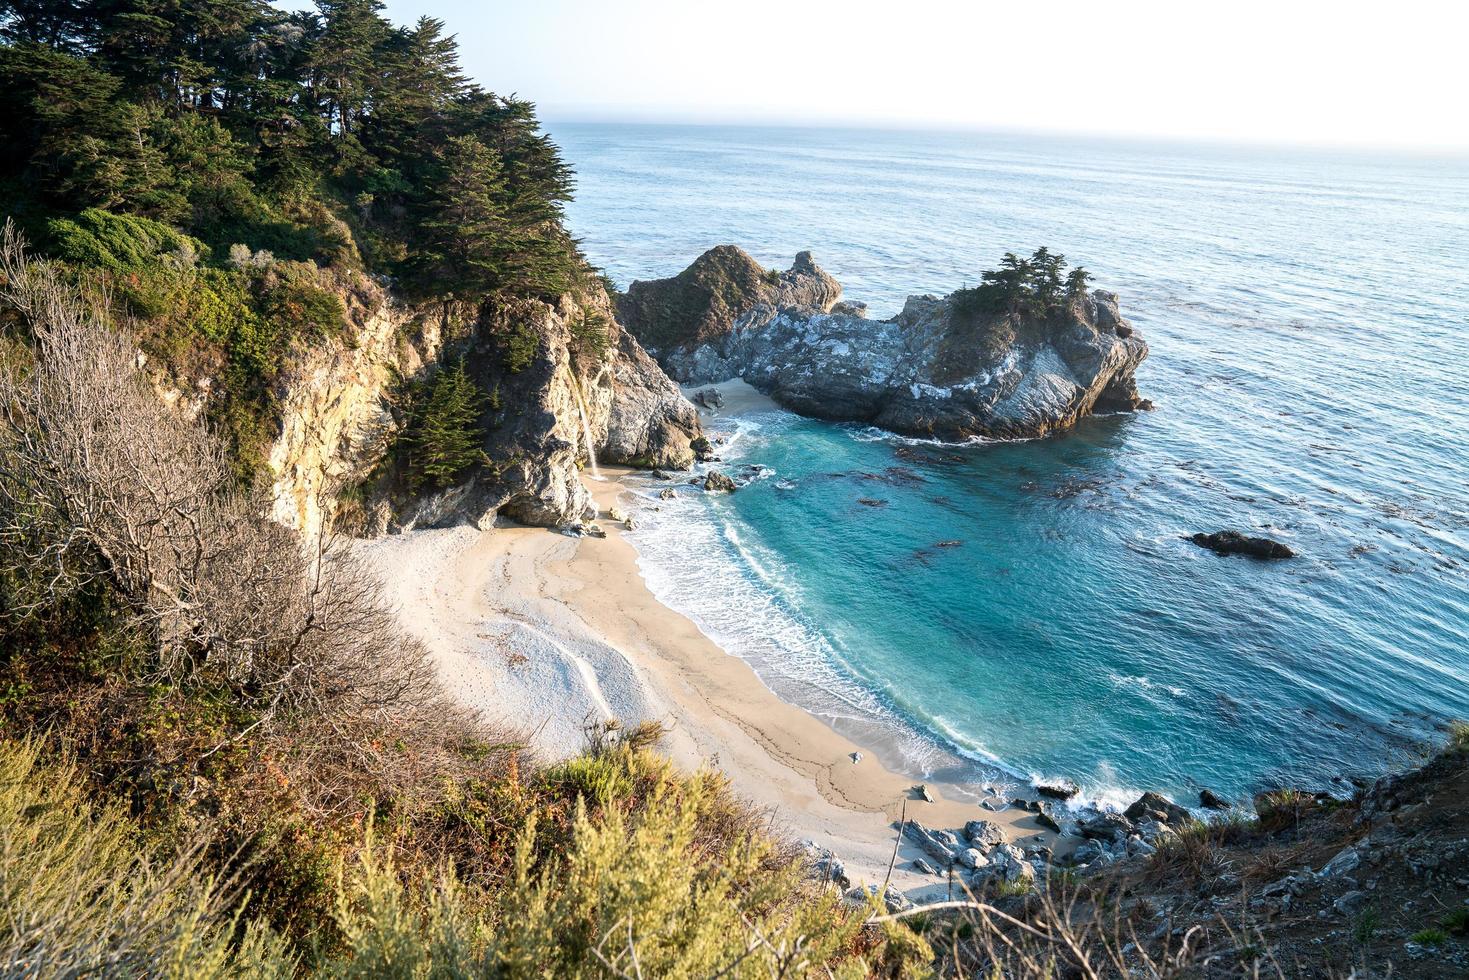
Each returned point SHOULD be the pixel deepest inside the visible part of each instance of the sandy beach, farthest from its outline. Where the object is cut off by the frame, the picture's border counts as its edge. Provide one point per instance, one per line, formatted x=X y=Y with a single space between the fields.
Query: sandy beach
x=545 y=632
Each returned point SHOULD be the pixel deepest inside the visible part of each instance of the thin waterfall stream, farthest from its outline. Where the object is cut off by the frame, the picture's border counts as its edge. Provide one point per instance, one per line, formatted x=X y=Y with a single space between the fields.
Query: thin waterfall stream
x=586 y=426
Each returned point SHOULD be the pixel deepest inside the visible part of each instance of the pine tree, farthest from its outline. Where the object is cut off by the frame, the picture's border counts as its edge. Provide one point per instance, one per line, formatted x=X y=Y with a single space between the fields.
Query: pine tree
x=446 y=438
x=1045 y=275
x=1076 y=281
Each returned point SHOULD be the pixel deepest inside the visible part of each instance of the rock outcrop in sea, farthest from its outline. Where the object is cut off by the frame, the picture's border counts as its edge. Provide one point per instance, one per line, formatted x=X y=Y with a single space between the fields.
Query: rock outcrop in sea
x=940 y=368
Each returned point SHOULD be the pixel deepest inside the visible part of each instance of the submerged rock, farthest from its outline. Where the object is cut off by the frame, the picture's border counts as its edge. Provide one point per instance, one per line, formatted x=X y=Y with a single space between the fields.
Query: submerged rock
x=717 y=482
x=1235 y=543
x=939 y=368
x=1213 y=801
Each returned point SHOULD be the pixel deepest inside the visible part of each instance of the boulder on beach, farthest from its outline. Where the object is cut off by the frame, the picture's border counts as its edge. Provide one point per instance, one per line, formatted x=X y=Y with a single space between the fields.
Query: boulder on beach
x=710 y=398
x=1229 y=542
x=984 y=834
x=940 y=845
x=1046 y=819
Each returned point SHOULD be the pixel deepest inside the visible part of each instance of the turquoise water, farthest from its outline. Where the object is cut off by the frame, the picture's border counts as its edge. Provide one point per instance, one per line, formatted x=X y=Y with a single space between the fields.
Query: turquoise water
x=1309 y=321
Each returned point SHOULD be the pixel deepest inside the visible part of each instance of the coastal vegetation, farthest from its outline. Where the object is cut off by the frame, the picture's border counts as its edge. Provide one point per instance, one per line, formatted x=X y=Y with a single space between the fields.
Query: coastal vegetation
x=1034 y=287
x=226 y=169
x=220 y=754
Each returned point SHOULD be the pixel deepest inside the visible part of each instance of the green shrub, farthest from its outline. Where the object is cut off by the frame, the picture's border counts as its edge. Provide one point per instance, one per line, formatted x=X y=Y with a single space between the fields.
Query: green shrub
x=84 y=899
x=1429 y=937
x=116 y=242
x=521 y=344
x=630 y=896
x=299 y=305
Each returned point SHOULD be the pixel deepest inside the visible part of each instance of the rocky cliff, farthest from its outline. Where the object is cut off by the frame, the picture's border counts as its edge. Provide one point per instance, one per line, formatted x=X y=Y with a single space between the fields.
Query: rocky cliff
x=561 y=381
x=700 y=305
x=565 y=381
x=939 y=368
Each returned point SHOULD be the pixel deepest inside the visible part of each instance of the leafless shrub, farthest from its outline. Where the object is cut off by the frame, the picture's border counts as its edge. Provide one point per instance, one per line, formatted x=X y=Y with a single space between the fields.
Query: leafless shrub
x=1075 y=932
x=101 y=481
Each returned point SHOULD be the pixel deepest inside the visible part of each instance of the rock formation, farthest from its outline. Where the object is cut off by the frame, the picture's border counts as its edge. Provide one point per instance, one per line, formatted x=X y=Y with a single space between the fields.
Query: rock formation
x=1234 y=543
x=701 y=304
x=338 y=412
x=571 y=395
x=939 y=368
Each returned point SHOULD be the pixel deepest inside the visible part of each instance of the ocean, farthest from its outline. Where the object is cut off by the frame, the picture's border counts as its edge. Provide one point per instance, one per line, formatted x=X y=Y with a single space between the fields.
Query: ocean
x=992 y=613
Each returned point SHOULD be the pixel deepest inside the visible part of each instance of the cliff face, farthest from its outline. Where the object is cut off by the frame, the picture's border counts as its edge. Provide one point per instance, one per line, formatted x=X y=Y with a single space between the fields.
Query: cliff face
x=579 y=385
x=336 y=420
x=586 y=387
x=936 y=369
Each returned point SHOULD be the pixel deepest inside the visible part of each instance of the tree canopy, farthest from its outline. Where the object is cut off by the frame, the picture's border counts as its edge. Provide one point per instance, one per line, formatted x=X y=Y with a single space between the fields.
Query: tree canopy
x=236 y=122
x=1033 y=287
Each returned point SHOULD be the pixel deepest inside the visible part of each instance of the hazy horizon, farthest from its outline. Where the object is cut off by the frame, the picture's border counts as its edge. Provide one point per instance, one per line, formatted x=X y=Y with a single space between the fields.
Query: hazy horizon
x=1267 y=74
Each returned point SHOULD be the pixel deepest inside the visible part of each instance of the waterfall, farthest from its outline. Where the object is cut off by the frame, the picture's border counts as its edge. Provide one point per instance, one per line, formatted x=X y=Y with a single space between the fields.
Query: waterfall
x=586 y=425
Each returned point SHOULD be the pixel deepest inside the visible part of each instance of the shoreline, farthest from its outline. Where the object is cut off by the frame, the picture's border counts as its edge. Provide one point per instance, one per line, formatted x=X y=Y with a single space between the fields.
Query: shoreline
x=545 y=632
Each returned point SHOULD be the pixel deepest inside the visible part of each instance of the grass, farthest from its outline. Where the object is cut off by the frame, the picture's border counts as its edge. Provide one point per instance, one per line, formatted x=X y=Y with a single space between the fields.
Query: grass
x=1456 y=922
x=1429 y=937
x=1459 y=737
x=1365 y=927
x=1193 y=853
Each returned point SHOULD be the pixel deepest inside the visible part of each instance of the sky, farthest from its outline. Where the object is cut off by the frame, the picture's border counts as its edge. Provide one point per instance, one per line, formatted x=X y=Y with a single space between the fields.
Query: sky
x=1285 y=71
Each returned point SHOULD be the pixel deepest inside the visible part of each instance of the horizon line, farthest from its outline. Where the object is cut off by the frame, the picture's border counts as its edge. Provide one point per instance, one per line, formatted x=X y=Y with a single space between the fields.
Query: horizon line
x=583 y=115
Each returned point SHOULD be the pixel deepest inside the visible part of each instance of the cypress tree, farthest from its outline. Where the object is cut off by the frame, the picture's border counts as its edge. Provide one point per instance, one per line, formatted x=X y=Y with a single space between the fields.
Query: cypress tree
x=447 y=438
